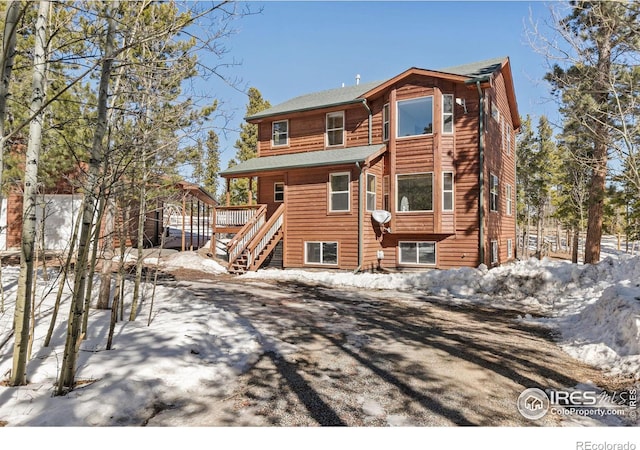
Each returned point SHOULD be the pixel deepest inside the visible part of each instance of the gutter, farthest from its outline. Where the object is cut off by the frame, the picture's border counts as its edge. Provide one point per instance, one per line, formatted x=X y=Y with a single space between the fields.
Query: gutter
x=361 y=184
x=478 y=82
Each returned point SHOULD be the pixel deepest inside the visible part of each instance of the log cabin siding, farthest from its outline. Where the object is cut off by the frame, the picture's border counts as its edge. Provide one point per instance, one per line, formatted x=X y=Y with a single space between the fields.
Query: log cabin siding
x=309 y=220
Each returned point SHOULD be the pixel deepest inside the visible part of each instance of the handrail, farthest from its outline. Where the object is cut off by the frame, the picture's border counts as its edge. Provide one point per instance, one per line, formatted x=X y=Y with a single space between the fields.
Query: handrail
x=266 y=233
x=230 y=216
x=239 y=242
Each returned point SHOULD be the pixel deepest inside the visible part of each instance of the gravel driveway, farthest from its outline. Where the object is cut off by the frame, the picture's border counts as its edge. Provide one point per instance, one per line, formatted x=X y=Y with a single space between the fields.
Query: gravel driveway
x=377 y=358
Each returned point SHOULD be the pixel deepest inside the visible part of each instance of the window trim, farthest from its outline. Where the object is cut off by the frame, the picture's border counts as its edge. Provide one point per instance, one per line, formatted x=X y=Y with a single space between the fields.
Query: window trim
x=448 y=114
x=327 y=130
x=374 y=192
x=417 y=263
x=386 y=122
x=414 y=99
x=494 y=205
x=273 y=144
x=398 y=210
x=448 y=191
x=331 y=192
x=509 y=248
x=321 y=263
x=275 y=192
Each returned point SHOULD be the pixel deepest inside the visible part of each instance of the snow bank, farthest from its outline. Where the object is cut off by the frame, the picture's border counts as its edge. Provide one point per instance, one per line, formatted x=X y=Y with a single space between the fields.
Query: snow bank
x=192 y=260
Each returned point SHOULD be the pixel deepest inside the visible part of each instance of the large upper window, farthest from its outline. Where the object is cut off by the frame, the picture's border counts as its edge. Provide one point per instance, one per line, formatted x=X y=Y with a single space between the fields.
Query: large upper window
x=415 y=192
x=415 y=117
x=321 y=253
x=280 y=132
x=417 y=253
x=339 y=191
x=447 y=113
x=335 y=129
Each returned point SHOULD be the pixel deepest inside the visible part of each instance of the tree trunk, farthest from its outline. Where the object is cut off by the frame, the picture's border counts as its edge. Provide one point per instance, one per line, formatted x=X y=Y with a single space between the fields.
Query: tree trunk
x=107 y=255
x=141 y=221
x=576 y=243
x=67 y=375
x=25 y=281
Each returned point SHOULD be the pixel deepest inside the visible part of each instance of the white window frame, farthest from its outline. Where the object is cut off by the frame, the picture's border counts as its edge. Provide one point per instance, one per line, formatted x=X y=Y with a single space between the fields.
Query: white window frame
x=495 y=253
x=408 y=100
x=508 y=139
x=321 y=263
x=386 y=195
x=398 y=200
x=509 y=248
x=348 y=192
x=273 y=133
x=386 y=122
x=444 y=114
x=276 y=191
x=417 y=262
x=371 y=194
x=508 y=199
x=493 y=192
x=448 y=191
x=341 y=129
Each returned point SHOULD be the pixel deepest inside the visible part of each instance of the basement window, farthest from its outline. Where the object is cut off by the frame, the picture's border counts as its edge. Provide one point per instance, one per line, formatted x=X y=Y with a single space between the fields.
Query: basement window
x=418 y=253
x=324 y=253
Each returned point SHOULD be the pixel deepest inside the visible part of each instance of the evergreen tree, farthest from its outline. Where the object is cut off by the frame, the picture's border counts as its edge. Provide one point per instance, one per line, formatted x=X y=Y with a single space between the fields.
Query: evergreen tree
x=247 y=146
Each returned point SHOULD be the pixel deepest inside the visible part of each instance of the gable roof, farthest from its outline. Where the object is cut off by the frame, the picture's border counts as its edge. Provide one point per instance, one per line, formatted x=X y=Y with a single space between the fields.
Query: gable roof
x=357 y=93
x=319 y=158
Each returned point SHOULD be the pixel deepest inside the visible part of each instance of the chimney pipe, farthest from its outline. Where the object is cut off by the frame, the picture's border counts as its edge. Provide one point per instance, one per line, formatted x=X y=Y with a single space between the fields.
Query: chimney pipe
x=357 y=79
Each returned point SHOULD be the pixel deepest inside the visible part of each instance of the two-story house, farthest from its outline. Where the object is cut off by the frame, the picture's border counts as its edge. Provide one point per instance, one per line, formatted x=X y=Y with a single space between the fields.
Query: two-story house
x=417 y=171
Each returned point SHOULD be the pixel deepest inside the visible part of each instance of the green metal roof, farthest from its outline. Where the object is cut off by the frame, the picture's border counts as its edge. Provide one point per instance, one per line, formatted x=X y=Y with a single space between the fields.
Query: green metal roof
x=354 y=94
x=305 y=159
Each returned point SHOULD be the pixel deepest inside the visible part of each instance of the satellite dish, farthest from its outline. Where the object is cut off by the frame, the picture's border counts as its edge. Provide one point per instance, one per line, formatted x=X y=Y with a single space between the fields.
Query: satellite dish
x=381 y=216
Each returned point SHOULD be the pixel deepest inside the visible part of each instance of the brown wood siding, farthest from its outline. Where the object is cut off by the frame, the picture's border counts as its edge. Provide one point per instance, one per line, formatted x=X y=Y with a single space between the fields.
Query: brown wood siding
x=372 y=235
x=308 y=218
x=499 y=225
x=266 y=192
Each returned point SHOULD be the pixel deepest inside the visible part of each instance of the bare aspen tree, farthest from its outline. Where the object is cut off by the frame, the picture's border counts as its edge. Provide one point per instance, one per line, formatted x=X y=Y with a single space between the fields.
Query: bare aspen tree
x=25 y=280
x=67 y=375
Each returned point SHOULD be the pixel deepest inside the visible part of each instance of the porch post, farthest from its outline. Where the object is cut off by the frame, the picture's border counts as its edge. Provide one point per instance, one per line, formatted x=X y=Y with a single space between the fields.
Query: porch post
x=184 y=207
x=250 y=193
x=228 y=191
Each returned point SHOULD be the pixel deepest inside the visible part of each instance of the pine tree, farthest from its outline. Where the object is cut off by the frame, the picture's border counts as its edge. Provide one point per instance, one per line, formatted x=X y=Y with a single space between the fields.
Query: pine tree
x=247 y=146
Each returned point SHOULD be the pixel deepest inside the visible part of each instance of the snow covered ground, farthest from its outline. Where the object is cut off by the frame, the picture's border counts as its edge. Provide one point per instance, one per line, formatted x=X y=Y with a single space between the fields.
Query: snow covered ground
x=596 y=310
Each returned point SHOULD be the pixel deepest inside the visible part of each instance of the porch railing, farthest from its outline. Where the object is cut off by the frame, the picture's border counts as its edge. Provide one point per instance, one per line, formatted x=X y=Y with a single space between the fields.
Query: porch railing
x=234 y=216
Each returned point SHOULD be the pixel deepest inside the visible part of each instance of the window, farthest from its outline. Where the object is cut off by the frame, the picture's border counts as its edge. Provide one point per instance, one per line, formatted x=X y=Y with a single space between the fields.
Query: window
x=415 y=117
x=494 y=252
x=417 y=253
x=493 y=202
x=371 y=192
x=415 y=192
x=335 y=129
x=339 y=191
x=447 y=113
x=509 y=139
x=386 y=205
x=447 y=191
x=509 y=248
x=385 y=122
x=278 y=192
x=509 y=200
x=504 y=135
x=494 y=112
x=280 y=133
x=321 y=253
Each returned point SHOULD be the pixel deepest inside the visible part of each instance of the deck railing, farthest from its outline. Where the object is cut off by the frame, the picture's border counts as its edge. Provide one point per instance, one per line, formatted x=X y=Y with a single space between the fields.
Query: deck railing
x=234 y=216
x=264 y=237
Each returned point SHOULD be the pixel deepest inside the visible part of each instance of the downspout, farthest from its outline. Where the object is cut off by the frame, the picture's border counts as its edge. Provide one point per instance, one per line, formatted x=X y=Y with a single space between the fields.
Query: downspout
x=360 y=194
x=481 y=170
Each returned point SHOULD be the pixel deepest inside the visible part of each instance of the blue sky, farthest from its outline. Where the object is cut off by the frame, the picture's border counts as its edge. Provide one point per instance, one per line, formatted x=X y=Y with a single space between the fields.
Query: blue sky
x=293 y=48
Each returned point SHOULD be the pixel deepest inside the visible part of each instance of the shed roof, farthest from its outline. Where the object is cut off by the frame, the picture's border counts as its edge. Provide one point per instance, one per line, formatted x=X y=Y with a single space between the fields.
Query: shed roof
x=306 y=159
x=355 y=94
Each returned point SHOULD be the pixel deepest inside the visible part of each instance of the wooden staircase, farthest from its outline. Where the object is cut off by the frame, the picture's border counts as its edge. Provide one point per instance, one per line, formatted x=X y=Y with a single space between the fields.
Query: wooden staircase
x=251 y=246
